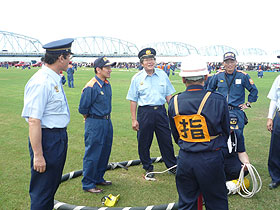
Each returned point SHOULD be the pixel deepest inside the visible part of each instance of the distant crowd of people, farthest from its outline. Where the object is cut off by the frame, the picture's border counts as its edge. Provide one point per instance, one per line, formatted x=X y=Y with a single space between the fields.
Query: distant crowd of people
x=167 y=67
x=266 y=66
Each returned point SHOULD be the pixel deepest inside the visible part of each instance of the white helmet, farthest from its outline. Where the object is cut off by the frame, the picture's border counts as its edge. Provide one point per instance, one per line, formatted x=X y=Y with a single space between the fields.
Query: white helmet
x=193 y=66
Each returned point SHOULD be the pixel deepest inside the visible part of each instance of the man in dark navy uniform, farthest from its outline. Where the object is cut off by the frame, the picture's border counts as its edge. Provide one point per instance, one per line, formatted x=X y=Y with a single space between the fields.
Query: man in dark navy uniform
x=199 y=123
x=150 y=89
x=95 y=106
x=47 y=112
x=231 y=83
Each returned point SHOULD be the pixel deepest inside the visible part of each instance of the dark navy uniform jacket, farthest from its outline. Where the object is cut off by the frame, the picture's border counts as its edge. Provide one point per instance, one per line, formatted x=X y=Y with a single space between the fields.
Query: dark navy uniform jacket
x=215 y=112
x=237 y=89
x=96 y=98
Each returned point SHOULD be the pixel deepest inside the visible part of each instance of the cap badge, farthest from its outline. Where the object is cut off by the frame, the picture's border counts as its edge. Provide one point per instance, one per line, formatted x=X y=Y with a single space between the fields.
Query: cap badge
x=148 y=52
x=104 y=59
x=229 y=54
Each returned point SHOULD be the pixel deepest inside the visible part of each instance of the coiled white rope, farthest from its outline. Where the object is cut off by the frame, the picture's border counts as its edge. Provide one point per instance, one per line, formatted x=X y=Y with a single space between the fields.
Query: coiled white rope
x=240 y=186
x=256 y=187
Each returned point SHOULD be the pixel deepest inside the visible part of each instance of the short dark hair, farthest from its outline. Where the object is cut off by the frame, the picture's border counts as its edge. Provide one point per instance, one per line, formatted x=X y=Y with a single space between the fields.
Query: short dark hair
x=51 y=58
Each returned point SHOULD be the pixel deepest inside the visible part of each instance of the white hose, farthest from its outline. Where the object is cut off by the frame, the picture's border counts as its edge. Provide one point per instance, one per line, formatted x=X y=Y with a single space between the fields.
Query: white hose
x=256 y=187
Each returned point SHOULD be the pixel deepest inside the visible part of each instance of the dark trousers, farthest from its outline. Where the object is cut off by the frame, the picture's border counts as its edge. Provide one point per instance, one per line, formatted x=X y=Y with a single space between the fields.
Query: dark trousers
x=70 y=81
x=201 y=172
x=232 y=165
x=239 y=132
x=274 y=151
x=43 y=186
x=153 y=119
x=98 y=144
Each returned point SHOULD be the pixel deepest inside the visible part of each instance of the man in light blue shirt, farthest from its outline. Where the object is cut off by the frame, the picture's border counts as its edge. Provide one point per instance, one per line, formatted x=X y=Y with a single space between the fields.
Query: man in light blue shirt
x=151 y=89
x=47 y=113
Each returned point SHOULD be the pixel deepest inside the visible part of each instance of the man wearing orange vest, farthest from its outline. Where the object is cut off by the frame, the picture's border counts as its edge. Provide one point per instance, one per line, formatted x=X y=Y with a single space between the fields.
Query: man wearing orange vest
x=199 y=123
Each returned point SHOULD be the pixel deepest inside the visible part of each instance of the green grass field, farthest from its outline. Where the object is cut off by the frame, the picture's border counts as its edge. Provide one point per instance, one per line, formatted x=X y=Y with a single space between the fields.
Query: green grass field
x=133 y=189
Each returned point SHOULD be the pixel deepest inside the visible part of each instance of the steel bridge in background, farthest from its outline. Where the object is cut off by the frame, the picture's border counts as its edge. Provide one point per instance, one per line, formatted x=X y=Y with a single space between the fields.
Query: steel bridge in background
x=95 y=46
x=17 y=45
x=167 y=49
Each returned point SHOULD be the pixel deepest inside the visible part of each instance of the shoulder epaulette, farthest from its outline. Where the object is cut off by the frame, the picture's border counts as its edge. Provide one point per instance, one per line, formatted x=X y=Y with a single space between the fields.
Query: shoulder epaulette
x=242 y=72
x=91 y=83
x=220 y=71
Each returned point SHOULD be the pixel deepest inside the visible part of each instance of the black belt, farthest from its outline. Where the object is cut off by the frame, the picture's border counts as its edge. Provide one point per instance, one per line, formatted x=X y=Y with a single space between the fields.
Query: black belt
x=233 y=107
x=152 y=107
x=105 y=117
x=54 y=129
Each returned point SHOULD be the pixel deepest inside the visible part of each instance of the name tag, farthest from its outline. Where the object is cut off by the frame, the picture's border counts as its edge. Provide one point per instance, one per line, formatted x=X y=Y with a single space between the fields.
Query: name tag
x=192 y=128
x=238 y=81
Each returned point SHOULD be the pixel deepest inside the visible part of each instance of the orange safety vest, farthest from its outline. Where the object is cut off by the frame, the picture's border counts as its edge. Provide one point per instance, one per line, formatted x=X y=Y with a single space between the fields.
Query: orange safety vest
x=192 y=128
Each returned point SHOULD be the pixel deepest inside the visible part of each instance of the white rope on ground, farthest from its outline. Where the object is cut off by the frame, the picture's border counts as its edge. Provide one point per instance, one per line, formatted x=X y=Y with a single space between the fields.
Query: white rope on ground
x=161 y=172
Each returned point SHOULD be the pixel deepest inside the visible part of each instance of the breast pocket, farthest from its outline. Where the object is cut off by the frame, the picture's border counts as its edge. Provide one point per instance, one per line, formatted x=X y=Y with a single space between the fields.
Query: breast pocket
x=162 y=88
x=222 y=86
x=143 y=90
x=56 y=103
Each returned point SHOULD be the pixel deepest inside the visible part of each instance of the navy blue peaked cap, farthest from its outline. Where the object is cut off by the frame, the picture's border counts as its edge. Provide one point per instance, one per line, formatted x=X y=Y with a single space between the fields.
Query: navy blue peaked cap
x=147 y=52
x=229 y=55
x=59 y=46
x=103 y=61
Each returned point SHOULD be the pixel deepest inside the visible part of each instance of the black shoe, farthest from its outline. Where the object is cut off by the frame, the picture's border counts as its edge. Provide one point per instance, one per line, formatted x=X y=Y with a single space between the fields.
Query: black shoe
x=273 y=185
x=150 y=176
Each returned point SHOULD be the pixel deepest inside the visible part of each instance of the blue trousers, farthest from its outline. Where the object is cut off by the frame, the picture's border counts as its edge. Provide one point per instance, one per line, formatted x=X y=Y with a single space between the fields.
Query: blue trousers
x=43 y=186
x=70 y=81
x=239 y=132
x=201 y=172
x=154 y=120
x=274 y=151
x=98 y=144
x=232 y=165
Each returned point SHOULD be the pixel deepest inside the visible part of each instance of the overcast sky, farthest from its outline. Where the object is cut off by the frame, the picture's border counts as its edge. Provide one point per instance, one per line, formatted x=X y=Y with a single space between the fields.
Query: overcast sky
x=236 y=23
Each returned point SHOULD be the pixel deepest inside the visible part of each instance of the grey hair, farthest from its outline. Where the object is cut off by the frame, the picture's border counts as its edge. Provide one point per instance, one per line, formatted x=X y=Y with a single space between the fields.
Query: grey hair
x=196 y=78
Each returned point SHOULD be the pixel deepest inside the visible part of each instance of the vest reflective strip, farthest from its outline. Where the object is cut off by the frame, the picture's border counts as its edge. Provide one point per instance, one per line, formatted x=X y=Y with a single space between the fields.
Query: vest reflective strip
x=200 y=106
x=203 y=102
x=176 y=105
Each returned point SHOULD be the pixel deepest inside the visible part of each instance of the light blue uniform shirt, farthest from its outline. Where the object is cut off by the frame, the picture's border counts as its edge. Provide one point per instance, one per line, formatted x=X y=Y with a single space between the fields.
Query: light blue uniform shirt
x=44 y=99
x=150 y=90
x=274 y=93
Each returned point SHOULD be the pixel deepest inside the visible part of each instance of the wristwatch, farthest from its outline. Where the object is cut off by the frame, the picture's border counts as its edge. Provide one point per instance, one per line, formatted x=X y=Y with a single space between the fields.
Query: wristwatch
x=248 y=105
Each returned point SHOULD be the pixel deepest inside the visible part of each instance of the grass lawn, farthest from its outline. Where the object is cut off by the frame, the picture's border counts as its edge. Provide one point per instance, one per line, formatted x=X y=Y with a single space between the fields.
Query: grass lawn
x=133 y=189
